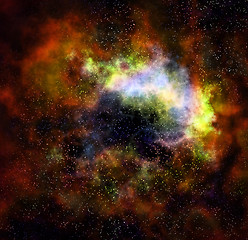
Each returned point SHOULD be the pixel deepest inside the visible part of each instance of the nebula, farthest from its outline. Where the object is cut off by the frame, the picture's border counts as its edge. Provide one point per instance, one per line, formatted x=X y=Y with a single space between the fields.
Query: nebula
x=123 y=120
